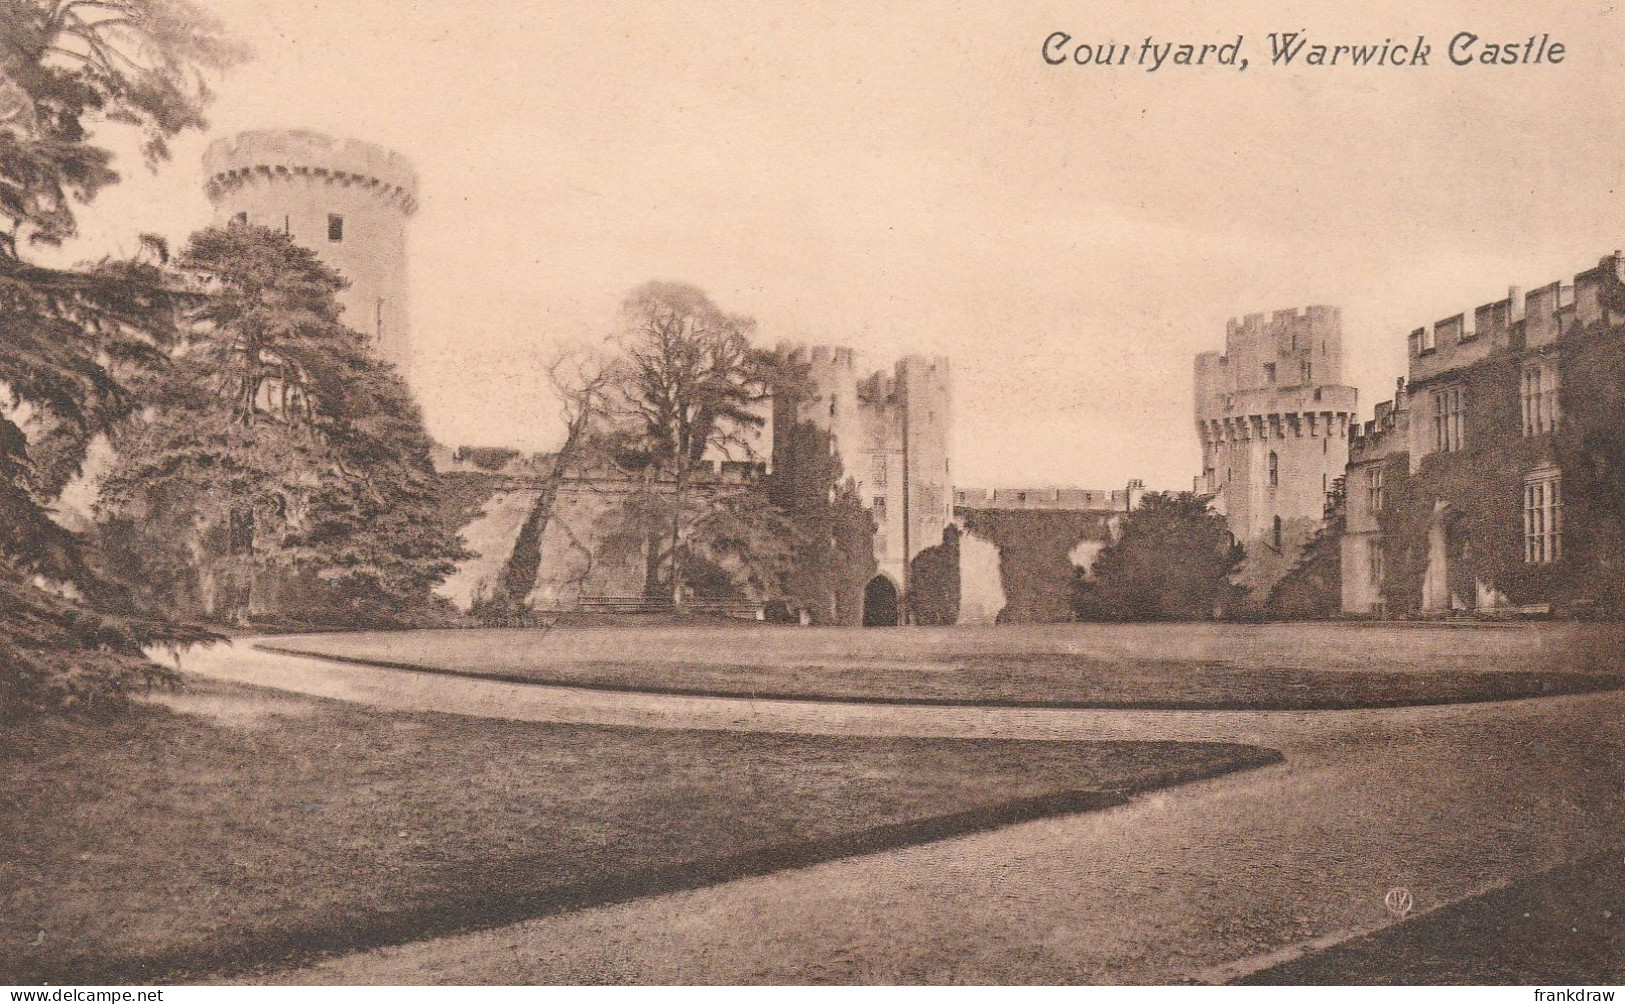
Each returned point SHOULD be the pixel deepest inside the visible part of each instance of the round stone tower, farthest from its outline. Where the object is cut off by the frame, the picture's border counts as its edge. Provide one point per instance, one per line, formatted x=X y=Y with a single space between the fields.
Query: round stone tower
x=344 y=199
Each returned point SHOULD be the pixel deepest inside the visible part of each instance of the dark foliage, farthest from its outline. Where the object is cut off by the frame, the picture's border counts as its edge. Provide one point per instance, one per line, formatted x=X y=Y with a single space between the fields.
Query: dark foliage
x=282 y=468
x=74 y=345
x=834 y=543
x=487 y=458
x=689 y=384
x=934 y=582
x=1172 y=561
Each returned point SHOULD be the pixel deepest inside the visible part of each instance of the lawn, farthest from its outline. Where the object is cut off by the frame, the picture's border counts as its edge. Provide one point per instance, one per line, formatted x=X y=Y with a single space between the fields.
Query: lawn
x=1563 y=927
x=1178 y=666
x=232 y=828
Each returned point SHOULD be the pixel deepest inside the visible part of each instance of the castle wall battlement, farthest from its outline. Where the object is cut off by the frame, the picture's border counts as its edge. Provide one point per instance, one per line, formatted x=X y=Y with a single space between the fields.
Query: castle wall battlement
x=1542 y=317
x=233 y=159
x=1065 y=499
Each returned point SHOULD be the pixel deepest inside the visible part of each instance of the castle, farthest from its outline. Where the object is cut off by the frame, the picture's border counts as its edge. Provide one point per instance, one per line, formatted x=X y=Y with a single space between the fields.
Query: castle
x=349 y=202
x=346 y=200
x=1272 y=416
x=1490 y=481
x=892 y=431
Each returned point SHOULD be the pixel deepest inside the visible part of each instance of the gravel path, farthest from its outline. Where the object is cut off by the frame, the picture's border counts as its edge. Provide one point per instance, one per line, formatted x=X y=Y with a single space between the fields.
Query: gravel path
x=1206 y=882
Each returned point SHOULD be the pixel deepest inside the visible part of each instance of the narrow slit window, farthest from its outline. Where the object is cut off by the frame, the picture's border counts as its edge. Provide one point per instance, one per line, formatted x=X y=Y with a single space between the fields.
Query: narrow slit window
x=335 y=227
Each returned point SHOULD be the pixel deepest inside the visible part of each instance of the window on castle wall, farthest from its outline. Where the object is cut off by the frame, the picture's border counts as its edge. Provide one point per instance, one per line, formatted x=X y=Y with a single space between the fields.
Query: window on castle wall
x=1374 y=489
x=1275 y=469
x=335 y=227
x=1308 y=372
x=1543 y=519
x=879 y=508
x=1376 y=561
x=878 y=470
x=1269 y=372
x=1277 y=533
x=1538 y=393
x=1449 y=419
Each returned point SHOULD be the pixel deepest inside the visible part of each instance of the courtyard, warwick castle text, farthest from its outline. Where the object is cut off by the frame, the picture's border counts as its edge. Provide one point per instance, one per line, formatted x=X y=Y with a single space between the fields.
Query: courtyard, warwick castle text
x=1293 y=49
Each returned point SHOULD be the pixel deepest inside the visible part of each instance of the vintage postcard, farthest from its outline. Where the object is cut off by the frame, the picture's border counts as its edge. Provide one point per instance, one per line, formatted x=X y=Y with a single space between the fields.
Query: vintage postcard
x=811 y=493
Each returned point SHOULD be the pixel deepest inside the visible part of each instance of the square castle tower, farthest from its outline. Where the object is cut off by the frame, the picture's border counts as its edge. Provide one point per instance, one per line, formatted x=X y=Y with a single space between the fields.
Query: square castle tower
x=1273 y=415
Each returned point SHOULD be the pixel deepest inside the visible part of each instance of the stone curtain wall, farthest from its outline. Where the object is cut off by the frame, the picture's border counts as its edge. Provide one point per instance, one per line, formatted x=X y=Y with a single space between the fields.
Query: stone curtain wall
x=1036 y=571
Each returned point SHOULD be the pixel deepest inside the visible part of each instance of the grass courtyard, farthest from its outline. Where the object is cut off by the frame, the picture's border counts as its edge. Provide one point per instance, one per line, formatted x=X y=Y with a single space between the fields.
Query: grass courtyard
x=227 y=828
x=1159 y=666
x=232 y=827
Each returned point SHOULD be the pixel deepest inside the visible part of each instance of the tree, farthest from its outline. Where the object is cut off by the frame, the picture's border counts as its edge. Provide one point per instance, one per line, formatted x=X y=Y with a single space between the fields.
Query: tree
x=580 y=381
x=277 y=448
x=1313 y=589
x=65 y=64
x=690 y=385
x=934 y=582
x=1171 y=560
x=70 y=634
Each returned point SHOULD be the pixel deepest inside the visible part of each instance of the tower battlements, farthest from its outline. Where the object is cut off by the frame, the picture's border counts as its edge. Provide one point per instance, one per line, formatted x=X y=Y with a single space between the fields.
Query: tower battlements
x=1287 y=348
x=344 y=199
x=891 y=429
x=821 y=355
x=264 y=152
x=1272 y=416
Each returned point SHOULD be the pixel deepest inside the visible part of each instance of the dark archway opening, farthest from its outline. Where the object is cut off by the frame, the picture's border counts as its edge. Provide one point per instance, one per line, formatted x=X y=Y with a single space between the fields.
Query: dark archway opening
x=880 y=607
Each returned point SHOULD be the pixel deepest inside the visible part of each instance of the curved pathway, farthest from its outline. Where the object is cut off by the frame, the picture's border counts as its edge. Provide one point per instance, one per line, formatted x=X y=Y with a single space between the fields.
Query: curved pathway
x=1203 y=882
x=405 y=690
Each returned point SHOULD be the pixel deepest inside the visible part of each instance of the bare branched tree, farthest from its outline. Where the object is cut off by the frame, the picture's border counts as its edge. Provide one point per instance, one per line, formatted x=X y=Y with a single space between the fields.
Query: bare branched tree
x=581 y=380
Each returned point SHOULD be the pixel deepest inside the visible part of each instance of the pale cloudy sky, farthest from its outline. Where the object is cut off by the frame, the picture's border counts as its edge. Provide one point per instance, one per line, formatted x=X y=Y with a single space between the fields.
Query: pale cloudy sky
x=911 y=177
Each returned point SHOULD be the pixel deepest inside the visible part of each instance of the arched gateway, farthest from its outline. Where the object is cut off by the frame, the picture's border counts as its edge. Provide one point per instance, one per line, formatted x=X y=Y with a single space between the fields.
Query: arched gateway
x=880 y=607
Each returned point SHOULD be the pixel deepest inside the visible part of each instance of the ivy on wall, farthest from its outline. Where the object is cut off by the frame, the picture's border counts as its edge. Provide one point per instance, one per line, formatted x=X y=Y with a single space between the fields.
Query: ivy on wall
x=1475 y=496
x=1035 y=563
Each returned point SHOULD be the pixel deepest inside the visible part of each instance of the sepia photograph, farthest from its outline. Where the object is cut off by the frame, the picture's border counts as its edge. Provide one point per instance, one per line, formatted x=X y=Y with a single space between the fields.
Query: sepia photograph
x=784 y=494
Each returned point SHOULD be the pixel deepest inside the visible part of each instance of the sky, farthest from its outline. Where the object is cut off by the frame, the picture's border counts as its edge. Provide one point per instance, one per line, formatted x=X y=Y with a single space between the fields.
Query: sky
x=914 y=178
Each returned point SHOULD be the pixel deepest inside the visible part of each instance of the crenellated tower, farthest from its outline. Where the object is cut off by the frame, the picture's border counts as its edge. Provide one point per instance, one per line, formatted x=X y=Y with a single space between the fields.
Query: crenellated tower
x=1272 y=415
x=346 y=200
x=892 y=430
